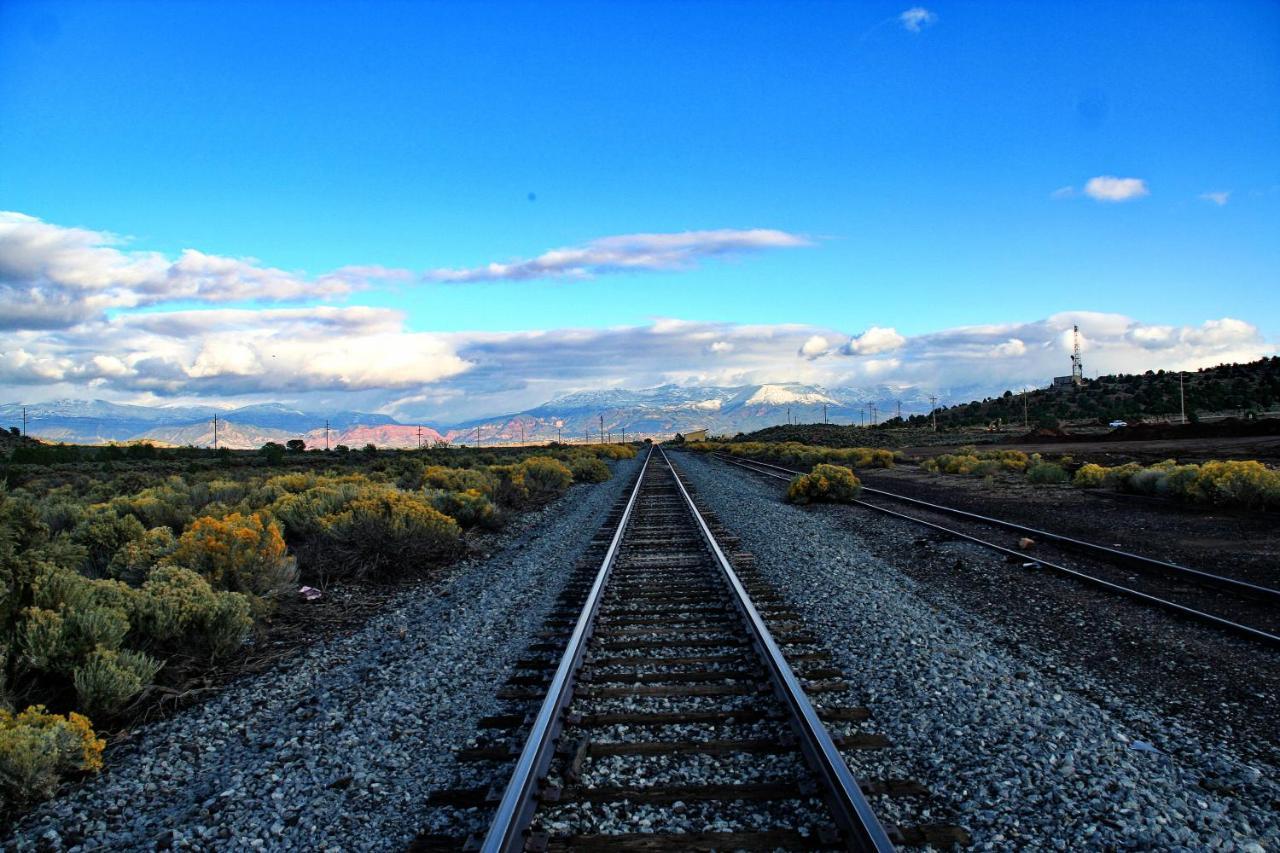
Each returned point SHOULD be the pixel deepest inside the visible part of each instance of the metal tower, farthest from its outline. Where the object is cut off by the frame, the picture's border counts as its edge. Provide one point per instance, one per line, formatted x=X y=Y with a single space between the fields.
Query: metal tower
x=1077 y=369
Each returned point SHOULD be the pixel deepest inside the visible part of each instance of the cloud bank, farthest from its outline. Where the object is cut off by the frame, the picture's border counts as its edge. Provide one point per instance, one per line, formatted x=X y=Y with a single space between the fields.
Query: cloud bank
x=71 y=328
x=353 y=357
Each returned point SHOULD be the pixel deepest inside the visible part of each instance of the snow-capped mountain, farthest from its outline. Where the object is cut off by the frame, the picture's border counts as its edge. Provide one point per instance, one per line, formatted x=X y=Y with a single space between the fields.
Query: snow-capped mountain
x=648 y=412
x=668 y=409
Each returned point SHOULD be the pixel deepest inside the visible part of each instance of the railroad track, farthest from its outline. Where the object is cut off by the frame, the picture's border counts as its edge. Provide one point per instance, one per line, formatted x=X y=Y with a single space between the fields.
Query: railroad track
x=667 y=707
x=1186 y=592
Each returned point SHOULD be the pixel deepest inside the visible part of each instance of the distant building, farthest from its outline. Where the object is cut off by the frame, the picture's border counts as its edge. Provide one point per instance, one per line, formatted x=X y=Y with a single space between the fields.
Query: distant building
x=696 y=435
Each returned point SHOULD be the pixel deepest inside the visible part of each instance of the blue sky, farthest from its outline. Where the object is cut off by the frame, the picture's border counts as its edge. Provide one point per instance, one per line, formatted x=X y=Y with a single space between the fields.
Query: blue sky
x=934 y=163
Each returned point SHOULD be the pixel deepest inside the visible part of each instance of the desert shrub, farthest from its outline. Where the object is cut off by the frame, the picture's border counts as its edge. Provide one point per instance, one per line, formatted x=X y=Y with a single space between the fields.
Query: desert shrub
x=238 y=553
x=589 y=469
x=38 y=749
x=137 y=557
x=179 y=612
x=459 y=479
x=300 y=513
x=828 y=483
x=61 y=516
x=509 y=487
x=615 y=451
x=1043 y=473
x=1090 y=476
x=385 y=534
x=545 y=478
x=1239 y=483
x=161 y=506
x=108 y=679
x=1117 y=477
x=469 y=508
x=226 y=492
x=101 y=533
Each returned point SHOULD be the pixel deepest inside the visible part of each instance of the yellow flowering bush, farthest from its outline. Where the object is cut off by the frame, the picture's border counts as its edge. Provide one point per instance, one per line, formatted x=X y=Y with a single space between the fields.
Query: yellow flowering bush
x=825 y=483
x=39 y=749
x=238 y=553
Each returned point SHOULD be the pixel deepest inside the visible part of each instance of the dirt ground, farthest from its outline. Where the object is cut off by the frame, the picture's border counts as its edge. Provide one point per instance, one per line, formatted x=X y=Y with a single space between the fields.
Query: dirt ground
x=1234 y=543
x=1265 y=448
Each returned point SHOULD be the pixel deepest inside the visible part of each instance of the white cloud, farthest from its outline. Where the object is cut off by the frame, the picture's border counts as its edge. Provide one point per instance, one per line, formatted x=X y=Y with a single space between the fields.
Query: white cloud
x=1011 y=348
x=917 y=18
x=873 y=341
x=627 y=253
x=1220 y=197
x=1063 y=192
x=52 y=276
x=814 y=347
x=1111 y=189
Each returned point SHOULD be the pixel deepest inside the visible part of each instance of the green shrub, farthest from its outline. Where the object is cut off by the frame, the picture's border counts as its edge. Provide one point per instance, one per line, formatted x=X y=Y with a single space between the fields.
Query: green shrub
x=589 y=469
x=828 y=483
x=109 y=679
x=459 y=479
x=510 y=488
x=101 y=533
x=469 y=508
x=384 y=535
x=179 y=613
x=545 y=478
x=38 y=749
x=61 y=516
x=1043 y=473
x=136 y=558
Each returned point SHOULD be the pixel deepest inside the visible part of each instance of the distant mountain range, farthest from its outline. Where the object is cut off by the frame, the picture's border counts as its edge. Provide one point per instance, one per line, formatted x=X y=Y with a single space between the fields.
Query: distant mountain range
x=653 y=412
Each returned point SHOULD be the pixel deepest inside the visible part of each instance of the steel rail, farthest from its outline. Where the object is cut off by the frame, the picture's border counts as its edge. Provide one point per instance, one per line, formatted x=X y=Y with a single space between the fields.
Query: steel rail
x=1164 y=603
x=1113 y=554
x=862 y=829
x=519 y=800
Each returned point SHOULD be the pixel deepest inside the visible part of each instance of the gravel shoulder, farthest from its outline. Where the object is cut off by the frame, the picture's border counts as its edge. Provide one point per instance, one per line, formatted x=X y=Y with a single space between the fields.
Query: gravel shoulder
x=1025 y=709
x=338 y=748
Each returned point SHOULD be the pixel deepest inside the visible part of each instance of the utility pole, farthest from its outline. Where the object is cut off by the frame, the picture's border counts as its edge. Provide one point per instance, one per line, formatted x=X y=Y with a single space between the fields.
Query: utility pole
x=1026 y=423
x=215 y=430
x=862 y=415
x=1182 y=396
x=899 y=409
x=824 y=414
x=586 y=436
x=522 y=433
x=933 y=410
x=326 y=435
x=624 y=435
x=788 y=416
x=24 y=421
x=477 y=435
x=419 y=438
x=602 y=429
x=559 y=439
x=872 y=408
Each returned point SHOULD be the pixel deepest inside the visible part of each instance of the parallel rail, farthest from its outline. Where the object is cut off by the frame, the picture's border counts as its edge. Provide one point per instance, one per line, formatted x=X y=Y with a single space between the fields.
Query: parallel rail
x=519 y=800
x=853 y=815
x=1100 y=551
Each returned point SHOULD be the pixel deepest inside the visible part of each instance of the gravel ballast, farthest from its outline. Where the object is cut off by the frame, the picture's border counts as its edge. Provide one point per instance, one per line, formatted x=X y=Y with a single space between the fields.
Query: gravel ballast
x=339 y=747
x=1019 y=745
